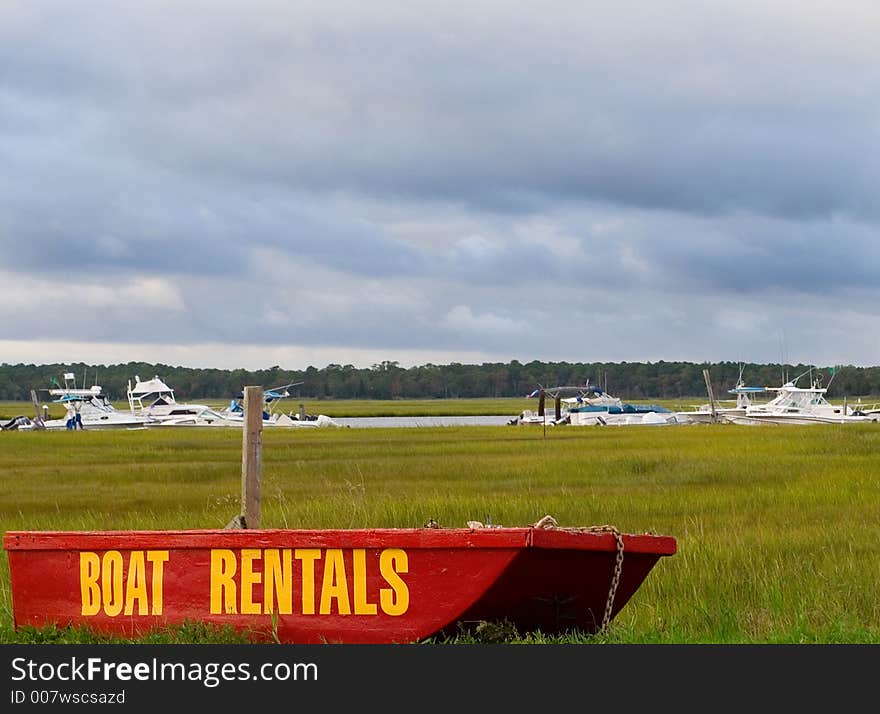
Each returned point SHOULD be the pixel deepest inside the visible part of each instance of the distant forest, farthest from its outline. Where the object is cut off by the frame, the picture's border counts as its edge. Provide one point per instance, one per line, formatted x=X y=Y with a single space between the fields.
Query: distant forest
x=388 y=380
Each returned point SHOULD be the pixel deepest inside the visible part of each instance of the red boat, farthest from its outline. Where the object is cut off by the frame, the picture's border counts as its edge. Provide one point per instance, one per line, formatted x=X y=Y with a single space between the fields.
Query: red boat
x=316 y=586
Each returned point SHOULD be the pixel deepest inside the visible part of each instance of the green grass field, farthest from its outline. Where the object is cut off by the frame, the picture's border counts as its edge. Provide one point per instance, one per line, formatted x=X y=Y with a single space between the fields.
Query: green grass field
x=778 y=528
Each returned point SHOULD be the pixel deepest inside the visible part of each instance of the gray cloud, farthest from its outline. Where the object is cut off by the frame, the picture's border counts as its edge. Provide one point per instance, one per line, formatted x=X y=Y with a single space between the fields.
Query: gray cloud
x=441 y=176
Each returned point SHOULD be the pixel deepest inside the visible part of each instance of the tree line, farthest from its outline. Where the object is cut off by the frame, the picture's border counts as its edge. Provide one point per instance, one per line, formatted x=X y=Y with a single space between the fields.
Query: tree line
x=388 y=380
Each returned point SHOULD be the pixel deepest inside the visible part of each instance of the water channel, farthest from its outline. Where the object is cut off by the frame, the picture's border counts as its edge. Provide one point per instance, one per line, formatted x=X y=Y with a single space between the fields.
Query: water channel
x=414 y=421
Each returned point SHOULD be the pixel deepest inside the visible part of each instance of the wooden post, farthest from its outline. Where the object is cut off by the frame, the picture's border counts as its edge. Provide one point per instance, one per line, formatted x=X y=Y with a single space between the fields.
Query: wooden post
x=252 y=457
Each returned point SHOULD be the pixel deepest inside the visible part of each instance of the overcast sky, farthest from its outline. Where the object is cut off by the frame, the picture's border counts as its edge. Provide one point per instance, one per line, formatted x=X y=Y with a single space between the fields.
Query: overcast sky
x=223 y=183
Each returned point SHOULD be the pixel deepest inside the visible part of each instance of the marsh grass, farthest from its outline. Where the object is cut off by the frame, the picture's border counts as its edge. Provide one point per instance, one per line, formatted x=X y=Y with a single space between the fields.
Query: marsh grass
x=778 y=528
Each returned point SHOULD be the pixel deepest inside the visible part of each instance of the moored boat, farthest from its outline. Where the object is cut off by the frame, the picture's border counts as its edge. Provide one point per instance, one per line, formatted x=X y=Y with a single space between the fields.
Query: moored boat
x=597 y=407
x=711 y=413
x=85 y=408
x=272 y=397
x=590 y=405
x=622 y=415
x=799 y=405
x=155 y=400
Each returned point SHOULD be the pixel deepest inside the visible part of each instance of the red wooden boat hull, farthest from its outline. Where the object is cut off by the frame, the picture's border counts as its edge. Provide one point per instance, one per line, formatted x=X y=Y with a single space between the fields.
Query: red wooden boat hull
x=314 y=586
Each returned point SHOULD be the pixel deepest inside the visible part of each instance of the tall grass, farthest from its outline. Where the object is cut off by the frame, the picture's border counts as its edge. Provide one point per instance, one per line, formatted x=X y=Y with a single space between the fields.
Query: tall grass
x=778 y=528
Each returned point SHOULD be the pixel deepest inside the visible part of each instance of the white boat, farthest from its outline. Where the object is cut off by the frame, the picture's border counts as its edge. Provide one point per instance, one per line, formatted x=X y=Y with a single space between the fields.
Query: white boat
x=597 y=407
x=592 y=406
x=709 y=413
x=86 y=408
x=206 y=417
x=799 y=405
x=272 y=397
x=540 y=417
x=871 y=410
x=155 y=399
x=529 y=417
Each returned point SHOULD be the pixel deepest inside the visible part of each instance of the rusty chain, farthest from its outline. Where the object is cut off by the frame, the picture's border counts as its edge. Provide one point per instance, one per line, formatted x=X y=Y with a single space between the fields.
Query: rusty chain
x=550 y=522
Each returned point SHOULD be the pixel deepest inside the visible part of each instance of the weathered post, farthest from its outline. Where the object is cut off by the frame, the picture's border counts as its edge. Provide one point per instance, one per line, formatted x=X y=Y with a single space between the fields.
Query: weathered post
x=252 y=457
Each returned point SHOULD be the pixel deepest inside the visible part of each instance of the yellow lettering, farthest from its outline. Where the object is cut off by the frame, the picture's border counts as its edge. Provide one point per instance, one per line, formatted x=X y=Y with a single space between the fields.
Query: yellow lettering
x=111 y=582
x=223 y=593
x=249 y=578
x=361 y=606
x=278 y=587
x=157 y=559
x=394 y=600
x=136 y=584
x=334 y=584
x=89 y=570
x=308 y=556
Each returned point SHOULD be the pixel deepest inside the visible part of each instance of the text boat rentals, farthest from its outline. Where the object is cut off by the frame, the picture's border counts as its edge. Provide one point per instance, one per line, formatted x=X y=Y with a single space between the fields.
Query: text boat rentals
x=330 y=586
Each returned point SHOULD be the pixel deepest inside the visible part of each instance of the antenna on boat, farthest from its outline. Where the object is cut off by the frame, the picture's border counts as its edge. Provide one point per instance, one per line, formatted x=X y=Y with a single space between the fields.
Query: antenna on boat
x=833 y=371
x=809 y=371
x=783 y=353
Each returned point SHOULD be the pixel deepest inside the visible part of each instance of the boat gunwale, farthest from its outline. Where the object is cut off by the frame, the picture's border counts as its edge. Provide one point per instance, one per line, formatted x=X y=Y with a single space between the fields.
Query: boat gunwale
x=413 y=538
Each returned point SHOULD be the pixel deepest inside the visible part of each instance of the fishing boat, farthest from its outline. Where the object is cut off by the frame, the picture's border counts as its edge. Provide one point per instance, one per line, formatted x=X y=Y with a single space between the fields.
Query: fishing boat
x=799 y=405
x=331 y=586
x=85 y=408
x=155 y=400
